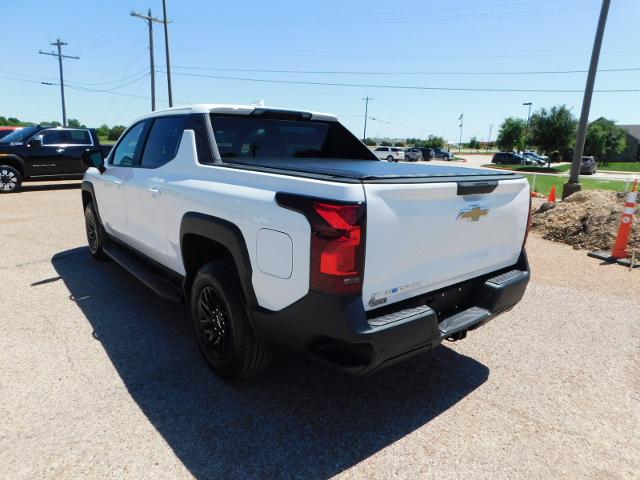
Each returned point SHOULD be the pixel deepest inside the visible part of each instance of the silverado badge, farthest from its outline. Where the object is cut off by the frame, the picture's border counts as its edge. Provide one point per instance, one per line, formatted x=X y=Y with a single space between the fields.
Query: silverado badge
x=473 y=213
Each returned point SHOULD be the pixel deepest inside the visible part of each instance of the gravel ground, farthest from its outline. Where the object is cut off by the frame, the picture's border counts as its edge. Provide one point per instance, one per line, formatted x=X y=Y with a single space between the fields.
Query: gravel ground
x=100 y=379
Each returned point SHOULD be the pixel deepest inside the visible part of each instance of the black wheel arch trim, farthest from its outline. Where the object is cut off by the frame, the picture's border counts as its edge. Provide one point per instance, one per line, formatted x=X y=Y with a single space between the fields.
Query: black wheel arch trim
x=230 y=237
x=17 y=159
x=88 y=187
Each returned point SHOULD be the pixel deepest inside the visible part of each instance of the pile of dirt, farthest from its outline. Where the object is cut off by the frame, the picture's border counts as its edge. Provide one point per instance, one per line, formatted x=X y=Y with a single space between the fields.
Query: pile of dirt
x=587 y=220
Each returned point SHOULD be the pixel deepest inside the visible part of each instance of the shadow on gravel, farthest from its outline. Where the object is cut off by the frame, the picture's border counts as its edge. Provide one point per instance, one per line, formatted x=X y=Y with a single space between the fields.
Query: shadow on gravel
x=296 y=420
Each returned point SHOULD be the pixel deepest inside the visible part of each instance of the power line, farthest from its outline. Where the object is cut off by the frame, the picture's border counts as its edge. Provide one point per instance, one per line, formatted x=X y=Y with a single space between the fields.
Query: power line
x=353 y=72
x=82 y=84
x=401 y=87
x=60 y=56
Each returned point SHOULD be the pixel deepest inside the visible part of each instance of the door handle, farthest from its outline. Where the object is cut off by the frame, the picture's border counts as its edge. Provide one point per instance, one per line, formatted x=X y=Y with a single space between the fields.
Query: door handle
x=154 y=191
x=117 y=181
x=60 y=150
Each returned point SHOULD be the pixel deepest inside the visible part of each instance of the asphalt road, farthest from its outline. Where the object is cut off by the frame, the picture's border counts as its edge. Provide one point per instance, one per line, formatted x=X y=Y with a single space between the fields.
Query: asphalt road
x=101 y=379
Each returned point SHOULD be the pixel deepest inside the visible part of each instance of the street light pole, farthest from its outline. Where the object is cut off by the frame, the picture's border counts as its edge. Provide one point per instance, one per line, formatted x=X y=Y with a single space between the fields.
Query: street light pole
x=526 y=130
x=573 y=185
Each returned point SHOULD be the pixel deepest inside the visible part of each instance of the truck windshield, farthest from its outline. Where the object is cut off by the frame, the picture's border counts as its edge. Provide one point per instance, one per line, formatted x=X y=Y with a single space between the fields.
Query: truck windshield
x=245 y=139
x=19 y=135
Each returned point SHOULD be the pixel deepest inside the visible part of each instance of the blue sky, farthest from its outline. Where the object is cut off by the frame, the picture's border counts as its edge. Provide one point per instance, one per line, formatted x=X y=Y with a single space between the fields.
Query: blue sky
x=464 y=39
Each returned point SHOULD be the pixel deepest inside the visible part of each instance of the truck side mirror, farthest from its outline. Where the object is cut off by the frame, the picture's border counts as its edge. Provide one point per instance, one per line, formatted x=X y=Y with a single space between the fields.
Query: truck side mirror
x=94 y=158
x=36 y=142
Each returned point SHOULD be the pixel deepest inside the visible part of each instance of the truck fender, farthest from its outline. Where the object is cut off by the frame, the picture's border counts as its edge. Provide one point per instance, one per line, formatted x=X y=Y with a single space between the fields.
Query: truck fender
x=89 y=195
x=229 y=237
x=14 y=161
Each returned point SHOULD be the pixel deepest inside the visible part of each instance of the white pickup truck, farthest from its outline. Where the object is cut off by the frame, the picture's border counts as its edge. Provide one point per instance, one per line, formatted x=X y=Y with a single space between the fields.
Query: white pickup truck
x=280 y=230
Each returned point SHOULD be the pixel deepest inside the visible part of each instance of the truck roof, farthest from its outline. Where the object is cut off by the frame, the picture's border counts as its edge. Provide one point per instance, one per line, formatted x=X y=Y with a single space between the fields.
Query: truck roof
x=231 y=108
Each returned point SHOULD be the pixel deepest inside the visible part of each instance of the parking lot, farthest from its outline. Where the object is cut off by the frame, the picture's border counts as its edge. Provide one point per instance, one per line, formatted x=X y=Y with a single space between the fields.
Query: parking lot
x=99 y=378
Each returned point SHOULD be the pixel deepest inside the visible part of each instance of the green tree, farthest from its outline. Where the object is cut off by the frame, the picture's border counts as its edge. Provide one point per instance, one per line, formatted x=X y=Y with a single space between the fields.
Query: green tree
x=512 y=134
x=473 y=144
x=386 y=143
x=552 y=130
x=115 y=132
x=398 y=144
x=604 y=139
x=103 y=131
x=75 y=123
x=433 y=141
x=370 y=142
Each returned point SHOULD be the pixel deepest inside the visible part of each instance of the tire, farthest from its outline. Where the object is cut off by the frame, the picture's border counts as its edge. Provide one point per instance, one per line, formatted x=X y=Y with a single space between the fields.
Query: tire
x=95 y=233
x=389 y=158
x=10 y=179
x=221 y=326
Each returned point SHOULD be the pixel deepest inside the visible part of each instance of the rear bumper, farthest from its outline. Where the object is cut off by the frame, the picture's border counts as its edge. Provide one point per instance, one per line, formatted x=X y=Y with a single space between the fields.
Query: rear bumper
x=338 y=332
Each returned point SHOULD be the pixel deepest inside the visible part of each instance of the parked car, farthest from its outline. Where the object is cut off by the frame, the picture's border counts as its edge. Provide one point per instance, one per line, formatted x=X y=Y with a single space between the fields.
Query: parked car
x=507 y=158
x=390 y=154
x=262 y=221
x=588 y=166
x=427 y=153
x=40 y=153
x=412 y=154
x=6 y=130
x=443 y=154
x=532 y=158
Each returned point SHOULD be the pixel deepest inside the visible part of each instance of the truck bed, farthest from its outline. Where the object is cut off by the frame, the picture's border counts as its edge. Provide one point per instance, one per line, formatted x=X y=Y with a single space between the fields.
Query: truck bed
x=373 y=171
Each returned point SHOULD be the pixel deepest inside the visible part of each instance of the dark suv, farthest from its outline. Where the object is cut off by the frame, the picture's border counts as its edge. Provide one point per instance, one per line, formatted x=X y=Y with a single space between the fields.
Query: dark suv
x=588 y=166
x=427 y=153
x=506 y=158
x=42 y=153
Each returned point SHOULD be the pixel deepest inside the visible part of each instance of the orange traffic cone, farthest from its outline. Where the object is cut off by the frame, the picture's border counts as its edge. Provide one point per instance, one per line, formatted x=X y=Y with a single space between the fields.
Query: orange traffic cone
x=626 y=222
x=552 y=194
x=620 y=253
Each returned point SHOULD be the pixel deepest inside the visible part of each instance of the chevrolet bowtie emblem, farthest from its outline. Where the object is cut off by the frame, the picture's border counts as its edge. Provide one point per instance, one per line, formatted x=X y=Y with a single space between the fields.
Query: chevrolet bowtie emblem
x=473 y=213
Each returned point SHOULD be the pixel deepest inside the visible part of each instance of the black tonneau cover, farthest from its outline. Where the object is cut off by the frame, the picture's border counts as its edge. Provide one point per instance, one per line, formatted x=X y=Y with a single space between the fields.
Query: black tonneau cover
x=372 y=170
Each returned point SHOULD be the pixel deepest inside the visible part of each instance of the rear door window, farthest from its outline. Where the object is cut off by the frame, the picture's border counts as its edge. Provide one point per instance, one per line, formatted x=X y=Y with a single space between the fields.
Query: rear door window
x=163 y=140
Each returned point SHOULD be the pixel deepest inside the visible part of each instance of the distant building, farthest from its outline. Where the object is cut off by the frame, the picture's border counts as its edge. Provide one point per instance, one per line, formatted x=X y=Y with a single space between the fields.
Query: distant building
x=632 y=152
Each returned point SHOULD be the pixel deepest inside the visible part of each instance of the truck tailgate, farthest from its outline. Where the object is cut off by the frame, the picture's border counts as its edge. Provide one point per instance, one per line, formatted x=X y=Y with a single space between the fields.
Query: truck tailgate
x=424 y=236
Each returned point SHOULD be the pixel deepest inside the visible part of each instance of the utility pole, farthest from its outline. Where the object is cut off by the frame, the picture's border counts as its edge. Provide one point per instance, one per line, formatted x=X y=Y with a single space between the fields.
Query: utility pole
x=573 y=185
x=461 y=118
x=366 y=114
x=526 y=130
x=489 y=141
x=166 y=48
x=60 y=56
x=149 y=19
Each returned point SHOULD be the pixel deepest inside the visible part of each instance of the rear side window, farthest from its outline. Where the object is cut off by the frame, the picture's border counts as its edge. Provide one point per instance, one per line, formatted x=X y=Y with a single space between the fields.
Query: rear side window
x=246 y=139
x=79 y=137
x=125 y=152
x=163 y=140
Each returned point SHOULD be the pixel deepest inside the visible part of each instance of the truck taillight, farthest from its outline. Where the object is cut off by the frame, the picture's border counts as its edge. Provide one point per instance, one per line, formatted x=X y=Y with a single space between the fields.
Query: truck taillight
x=337 y=242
